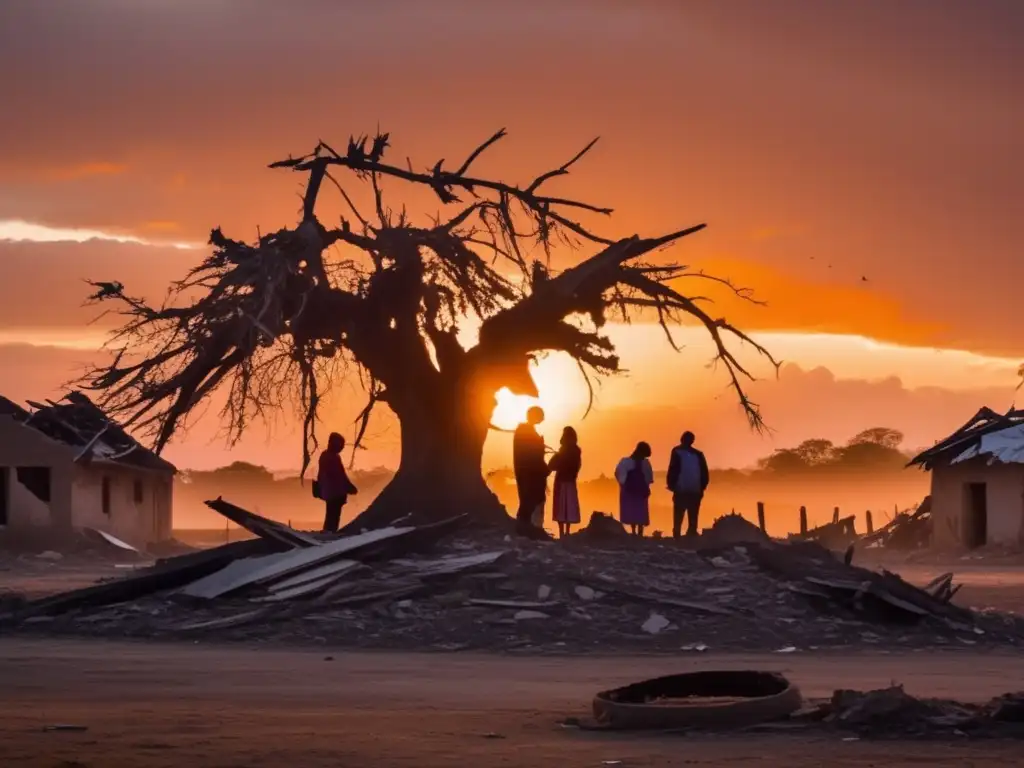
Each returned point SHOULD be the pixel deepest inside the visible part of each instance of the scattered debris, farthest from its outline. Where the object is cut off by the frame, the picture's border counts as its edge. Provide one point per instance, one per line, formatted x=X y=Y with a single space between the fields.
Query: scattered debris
x=655 y=623
x=584 y=592
x=892 y=712
x=434 y=586
x=906 y=531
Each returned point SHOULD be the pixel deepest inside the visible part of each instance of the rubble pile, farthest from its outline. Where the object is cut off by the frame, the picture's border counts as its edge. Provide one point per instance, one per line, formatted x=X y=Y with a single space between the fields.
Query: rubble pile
x=442 y=587
x=892 y=712
x=908 y=530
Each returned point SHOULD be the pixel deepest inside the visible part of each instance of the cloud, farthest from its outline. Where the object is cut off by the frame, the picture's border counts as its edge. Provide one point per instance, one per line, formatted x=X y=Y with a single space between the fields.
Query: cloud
x=44 y=282
x=17 y=231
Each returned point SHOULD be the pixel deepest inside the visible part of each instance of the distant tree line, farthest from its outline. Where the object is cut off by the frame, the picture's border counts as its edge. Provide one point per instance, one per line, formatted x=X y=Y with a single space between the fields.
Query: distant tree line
x=874 y=450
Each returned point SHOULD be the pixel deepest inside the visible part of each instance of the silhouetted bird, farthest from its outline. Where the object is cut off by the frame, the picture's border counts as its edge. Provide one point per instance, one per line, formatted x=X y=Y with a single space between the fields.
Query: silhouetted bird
x=105 y=290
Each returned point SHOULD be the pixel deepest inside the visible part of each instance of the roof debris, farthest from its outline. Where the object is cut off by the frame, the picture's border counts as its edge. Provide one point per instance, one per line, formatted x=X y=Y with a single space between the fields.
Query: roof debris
x=79 y=423
x=1000 y=437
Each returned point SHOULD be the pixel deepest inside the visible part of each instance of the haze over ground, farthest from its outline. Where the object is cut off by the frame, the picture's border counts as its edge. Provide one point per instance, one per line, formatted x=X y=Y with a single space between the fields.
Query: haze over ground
x=822 y=143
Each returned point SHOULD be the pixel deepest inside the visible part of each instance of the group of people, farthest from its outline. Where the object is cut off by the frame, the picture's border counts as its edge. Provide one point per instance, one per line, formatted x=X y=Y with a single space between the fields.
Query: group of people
x=687 y=479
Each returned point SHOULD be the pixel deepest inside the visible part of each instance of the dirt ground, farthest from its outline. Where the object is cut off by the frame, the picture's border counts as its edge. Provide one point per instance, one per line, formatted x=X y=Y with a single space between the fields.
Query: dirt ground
x=195 y=706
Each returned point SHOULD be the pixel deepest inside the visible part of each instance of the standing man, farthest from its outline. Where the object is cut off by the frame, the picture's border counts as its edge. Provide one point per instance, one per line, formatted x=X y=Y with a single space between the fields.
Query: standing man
x=531 y=471
x=688 y=478
x=332 y=483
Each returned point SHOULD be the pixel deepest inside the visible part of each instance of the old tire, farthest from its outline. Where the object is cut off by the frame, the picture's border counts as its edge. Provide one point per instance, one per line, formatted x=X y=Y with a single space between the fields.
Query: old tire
x=707 y=700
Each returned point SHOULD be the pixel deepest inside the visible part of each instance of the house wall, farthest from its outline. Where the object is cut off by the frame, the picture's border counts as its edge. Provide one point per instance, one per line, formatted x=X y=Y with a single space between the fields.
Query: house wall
x=1004 y=492
x=136 y=522
x=22 y=446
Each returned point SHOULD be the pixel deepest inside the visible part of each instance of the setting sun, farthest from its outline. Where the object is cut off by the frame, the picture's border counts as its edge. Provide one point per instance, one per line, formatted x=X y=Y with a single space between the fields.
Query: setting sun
x=563 y=396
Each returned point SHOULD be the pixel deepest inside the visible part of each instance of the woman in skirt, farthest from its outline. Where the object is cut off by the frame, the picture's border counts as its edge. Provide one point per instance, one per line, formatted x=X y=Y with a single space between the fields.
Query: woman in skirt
x=566 y=466
x=635 y=476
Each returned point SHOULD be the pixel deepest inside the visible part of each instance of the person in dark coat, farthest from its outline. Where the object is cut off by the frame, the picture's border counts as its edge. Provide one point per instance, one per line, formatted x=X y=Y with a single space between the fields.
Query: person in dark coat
x=333 y=485
x=531 y=471
x=566 y=464
x=688 y=478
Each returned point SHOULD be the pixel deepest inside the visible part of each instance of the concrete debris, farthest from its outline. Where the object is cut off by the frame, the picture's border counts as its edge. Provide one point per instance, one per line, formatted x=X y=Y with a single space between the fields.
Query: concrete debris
x=584 y=592
x=654 y=624
x=439 y=587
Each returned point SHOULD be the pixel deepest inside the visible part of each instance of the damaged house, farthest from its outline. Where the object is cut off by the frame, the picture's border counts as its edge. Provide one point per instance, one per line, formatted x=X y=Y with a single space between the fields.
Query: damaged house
x=977 y=486
x=66 y=466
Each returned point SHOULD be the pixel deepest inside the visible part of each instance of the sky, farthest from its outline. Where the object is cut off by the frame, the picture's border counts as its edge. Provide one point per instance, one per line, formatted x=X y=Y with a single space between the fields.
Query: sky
x=860 y=166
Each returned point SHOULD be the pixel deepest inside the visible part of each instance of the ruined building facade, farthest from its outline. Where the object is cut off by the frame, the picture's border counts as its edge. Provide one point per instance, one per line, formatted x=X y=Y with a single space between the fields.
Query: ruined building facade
x=977 y=483
x=66 y=466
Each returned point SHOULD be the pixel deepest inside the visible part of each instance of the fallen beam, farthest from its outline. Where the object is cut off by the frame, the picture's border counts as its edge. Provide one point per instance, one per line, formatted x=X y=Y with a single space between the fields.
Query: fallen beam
x=260 y=526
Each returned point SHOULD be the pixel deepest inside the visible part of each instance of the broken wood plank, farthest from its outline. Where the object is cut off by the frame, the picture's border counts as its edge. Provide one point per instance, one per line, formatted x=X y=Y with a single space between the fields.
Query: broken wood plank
x=524 y=604
x=260 y=526
x=338 y=567
x=222 y=622
x=243 y=573
x=448 y=566
x=671 y=601
x=303 y=589
x=372 y=597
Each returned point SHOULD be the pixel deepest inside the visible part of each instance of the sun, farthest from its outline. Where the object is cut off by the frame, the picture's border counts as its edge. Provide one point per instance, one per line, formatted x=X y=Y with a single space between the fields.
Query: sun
x=563 y=396
x=510 y=410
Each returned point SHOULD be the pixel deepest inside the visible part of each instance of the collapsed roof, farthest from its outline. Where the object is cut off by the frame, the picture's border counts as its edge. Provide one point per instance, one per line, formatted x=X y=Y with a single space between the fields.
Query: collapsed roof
x=1000 y=437
x=79 y=423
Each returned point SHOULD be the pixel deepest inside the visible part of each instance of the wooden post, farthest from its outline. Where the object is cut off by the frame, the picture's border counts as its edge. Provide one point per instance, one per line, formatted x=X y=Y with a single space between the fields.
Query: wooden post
x=760 y=516
x=835 y=515
x=803 y=520
x=869 y=522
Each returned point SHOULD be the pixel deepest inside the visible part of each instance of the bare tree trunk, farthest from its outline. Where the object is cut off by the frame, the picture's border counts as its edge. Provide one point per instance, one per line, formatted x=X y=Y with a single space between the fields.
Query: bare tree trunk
x=439 y=475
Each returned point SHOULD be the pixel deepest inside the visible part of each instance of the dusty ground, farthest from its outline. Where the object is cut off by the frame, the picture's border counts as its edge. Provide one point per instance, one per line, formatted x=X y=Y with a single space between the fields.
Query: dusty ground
x=152 y=705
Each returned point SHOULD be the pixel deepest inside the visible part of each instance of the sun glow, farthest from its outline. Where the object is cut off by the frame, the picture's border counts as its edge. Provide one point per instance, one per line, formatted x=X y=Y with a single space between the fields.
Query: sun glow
x=563 y=396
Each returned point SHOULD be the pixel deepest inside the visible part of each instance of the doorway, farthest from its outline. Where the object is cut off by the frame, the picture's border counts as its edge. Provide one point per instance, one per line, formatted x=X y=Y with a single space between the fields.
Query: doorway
x=3 y=496
x=976 y=515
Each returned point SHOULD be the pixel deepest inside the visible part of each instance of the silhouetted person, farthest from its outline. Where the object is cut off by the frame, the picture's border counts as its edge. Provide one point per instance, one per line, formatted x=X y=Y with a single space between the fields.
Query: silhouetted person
x=635 y=476
x=531 y=471
x=688 y=478
x=566 y=465
x=332 y=483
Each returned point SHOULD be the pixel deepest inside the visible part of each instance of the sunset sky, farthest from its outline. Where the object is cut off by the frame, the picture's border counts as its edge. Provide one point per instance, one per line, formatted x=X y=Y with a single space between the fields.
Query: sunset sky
x=822 y=142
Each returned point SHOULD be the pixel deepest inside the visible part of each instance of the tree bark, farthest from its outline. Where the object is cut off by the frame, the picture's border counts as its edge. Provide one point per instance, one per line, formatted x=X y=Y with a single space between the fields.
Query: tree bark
x=439 y=475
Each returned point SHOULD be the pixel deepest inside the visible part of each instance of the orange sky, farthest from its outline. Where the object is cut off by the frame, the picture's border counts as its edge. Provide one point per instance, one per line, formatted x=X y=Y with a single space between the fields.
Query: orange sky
x=822 y=142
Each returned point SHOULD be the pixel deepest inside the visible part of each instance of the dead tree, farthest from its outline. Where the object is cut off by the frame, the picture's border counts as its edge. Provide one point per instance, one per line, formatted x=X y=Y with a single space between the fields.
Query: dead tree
x=286 y=316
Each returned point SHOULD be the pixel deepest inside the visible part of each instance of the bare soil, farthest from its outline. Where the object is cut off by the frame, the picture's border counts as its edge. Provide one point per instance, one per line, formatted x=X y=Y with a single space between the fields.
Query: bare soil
x=160 y=705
